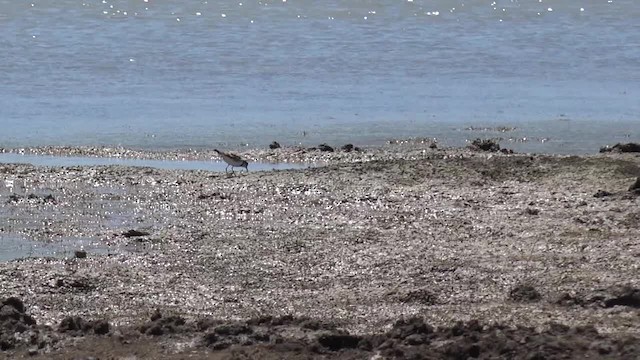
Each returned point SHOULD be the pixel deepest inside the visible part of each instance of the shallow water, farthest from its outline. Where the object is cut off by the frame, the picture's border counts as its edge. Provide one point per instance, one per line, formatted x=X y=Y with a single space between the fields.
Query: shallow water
x=175 y=74
x=46 y=160
x=14 y=247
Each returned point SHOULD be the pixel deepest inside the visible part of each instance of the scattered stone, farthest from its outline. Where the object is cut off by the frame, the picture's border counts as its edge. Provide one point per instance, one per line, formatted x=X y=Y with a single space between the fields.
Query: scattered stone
x=532 y=211
x=336 y=342
x=433 y=145
x=13 y=198
x=347 y=148
x=134 y=233
x=623 y=296
x=77 y=326
x=274 y=145
x=215 y=194
x=233 y=329
x=602 y=193
x=485 y=145
x=101 y=327
x=80 y=254
x=325 y=148
x=524 y=293
x=621 y=148
x=13 y=321
x=620 y=295
x=15 y=303
x=406 y=327
x=506 y=151
x=420 y=295
x=161 y=325
x=71 y=323
x=156 y=315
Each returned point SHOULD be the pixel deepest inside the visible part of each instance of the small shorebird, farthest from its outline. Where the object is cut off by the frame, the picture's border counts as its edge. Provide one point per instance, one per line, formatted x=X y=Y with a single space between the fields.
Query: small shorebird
x=232 y=160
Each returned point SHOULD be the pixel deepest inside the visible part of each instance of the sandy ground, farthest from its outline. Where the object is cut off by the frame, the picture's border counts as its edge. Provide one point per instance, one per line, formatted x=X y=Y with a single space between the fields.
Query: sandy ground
x=402 y=252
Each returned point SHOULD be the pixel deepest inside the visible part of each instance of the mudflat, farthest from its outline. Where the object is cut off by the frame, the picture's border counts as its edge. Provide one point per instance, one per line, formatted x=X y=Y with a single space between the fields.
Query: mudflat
x=405 y=252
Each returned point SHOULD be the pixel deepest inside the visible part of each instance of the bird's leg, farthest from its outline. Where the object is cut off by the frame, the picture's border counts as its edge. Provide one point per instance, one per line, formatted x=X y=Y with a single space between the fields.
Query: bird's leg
x=226 y=170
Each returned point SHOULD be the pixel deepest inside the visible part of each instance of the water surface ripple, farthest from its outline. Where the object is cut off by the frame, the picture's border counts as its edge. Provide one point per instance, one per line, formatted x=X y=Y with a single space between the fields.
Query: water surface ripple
x=172 y=74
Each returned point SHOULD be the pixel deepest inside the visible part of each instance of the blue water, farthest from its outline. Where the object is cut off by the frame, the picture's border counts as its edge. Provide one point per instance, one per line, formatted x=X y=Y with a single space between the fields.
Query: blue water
x=176 y=74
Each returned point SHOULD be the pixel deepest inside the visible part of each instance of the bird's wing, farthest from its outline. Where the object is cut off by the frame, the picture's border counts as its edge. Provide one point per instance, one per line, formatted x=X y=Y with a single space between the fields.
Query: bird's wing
x=234 y=157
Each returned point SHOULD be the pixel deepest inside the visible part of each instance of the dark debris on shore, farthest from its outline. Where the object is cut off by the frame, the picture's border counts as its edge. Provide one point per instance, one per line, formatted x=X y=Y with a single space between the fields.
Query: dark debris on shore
x=286 y=336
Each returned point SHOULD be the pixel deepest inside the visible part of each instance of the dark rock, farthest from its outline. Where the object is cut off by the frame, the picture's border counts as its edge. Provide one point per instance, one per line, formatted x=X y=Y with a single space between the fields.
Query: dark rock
x=602 y=193
x=566 y=299
x=77 y=326
x=274 y=145
x=215 y=194
x=406 y=327
x=416 y=339
x=206 y=323
x=506 y=151
x=281 y=320
x=418 y=295
x=433 y=145
x=101 y=327
x=485 y=145
x=156 y=315
x=155 y=330
x=164 y=325
x=624 y=296
x=80 y=285
x=221 y=345
x=72 y=324
x=311 y=325
x=621 y=148
x=9 y=313
x=314 y=324
x=134 y=233
x=261 y=337
x=233 y=329
x=347 y=148
x=557 y=329
x=524 y=293
x=80 y=254
x=6 y=343
x=532 y=211
x=325 y=148
x=15 y=303
x=635 y=186
x=210 y=339
x=335 y=342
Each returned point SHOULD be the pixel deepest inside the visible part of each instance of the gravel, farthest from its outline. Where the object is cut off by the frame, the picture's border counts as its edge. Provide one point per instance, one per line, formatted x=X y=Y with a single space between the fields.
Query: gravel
x=377 y=235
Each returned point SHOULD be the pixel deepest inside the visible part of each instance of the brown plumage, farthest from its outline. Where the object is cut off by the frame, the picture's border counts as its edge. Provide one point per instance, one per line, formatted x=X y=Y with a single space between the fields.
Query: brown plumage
x=232 y=160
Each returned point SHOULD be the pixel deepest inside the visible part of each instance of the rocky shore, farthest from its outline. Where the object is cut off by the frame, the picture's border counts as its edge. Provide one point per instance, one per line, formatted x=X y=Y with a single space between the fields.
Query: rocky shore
x=407 y=251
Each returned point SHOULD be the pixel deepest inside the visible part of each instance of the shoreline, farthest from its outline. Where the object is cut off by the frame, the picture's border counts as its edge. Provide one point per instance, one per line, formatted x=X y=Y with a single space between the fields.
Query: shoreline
x=392 y=149
x=443 y=234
